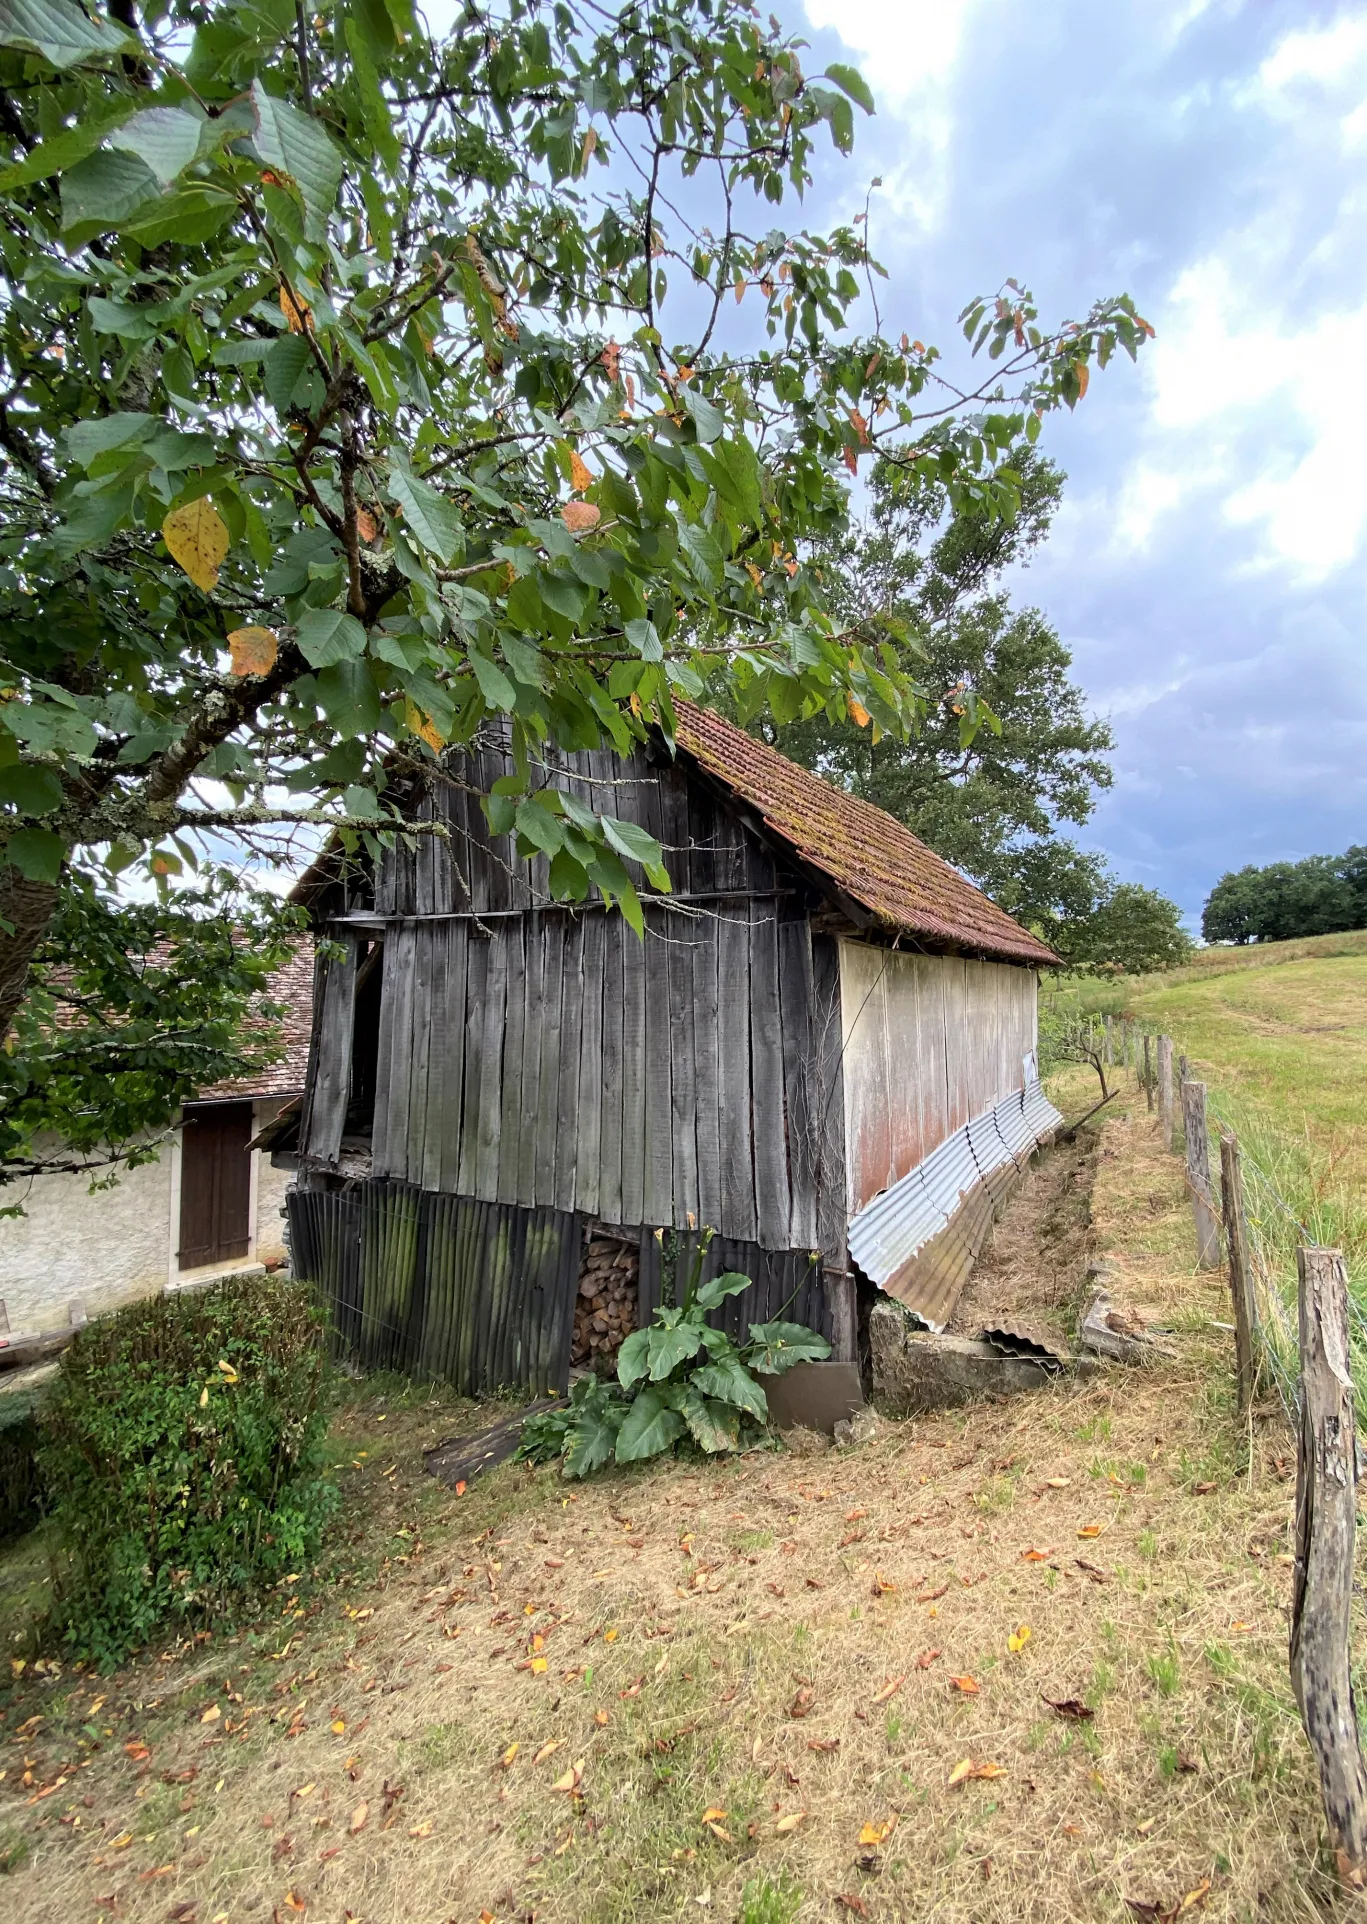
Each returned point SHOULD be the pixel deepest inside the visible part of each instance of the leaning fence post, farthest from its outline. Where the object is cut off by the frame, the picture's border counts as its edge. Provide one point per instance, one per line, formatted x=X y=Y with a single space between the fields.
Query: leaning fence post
x=1148 y=1073
x=1322 y=1583
x=1240 y=1276
x=1198 y=1175
x=1165 y=1089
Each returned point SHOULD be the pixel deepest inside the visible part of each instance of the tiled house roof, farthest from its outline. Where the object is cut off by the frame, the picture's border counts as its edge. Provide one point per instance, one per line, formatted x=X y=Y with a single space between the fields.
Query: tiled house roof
x=291 y=985
x=871 y=857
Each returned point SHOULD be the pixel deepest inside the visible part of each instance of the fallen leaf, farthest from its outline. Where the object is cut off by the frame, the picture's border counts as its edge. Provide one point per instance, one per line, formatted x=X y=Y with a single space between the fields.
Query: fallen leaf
x=424 y=1829
x=1056 y=1482
x=790 y=1822
x=926 y=1659
x=802 y=1702
x=931 y=1596
x=1036 y=1556
x=1091 y=1530
x=890 y=1688
x=509 y=1756
x=547 y=1750
x=1018 y=1639
x=600 y=1717
x=580 y=516
x=875 y=1834
x=294 y=1901
x=967 y=1769
x=137 y=1752
x=848 y=1901
x=358 y=1817
x=883 y=1586
x=252 y=651
x=714 y=1814
x=338 y=1726
x=1070 y=1707
x=1195 y=1897
x=968 y=1685
x=122 y=1841
x=572 y=1778
x=198 y=540
x=211 y=1715
x=853 y=1516
x=823 y=1743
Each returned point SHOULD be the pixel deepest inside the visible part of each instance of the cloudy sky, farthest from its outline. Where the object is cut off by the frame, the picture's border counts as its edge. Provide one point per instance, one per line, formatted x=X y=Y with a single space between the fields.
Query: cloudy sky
x=1209 y=566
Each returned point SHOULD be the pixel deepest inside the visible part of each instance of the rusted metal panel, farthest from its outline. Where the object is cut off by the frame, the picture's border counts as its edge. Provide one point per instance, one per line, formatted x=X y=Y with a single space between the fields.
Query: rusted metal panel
x=928 y=1042
x=920 y=1238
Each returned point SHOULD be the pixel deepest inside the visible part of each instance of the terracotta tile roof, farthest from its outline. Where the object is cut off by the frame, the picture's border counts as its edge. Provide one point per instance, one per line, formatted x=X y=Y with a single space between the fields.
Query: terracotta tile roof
x=869 y=855
x=293 y=986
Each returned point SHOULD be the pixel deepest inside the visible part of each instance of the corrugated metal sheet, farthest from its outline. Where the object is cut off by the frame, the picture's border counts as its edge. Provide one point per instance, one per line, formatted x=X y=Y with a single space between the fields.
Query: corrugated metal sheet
x=871 y=856
x=928 y=1043
x=919 y=1239
x=478 y=1294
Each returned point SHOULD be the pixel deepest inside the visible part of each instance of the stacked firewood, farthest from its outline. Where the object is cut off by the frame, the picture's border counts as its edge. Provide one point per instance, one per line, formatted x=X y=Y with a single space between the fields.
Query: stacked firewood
x=605 y=1308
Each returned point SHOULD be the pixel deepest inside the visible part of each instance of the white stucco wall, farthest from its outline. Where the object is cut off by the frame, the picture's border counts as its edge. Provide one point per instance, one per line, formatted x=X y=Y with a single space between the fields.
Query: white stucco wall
x=72 y=1247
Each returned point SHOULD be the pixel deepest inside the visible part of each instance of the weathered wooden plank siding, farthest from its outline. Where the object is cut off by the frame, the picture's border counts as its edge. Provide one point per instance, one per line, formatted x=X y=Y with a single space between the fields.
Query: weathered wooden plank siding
x=329 y=1083
x=953 y=1031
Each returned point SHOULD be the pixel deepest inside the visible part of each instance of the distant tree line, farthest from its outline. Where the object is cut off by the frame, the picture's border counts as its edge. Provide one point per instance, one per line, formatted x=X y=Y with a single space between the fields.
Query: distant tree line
x=1319 y=896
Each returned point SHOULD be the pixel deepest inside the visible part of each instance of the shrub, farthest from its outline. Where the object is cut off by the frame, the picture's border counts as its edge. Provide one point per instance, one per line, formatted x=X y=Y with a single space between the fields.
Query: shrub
x=184 y=1461
x=679 y=1380
x=20 y=1484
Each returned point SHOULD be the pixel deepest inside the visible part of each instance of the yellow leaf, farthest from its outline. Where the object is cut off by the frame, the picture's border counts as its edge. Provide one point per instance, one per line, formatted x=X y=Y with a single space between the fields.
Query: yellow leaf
x=423 y=726
x=295 y=1902
x=754 y=574
x=890 y=1688
x=211 y=1715
x=305 y=1790
x=547 y=1750
x=1083 y=377
x=122 y=1841
x=571 y=1779
x=600 y=1717
x=1018 y=1639
x=358 y=1817
x=296 y=311
x=1090 y=1530
x=610 y=1636
x=580 y=516
x=1195 y=1897
x=961 y=1772
x=858 y=713
x=714 y=1814
x=587 y=150
x=506 y=1761
x=198 y=540
x=581 y=475
x=338 y=1727
x=538 y=1666
x=989 y=1770
x=421 y=1830
x=203 y=1398
x=873 y=1834
x=790 y=1822
x=252 y=651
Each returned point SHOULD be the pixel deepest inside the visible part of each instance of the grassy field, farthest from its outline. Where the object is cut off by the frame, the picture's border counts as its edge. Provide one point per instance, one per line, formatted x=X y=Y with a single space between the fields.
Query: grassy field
x=778 y=1689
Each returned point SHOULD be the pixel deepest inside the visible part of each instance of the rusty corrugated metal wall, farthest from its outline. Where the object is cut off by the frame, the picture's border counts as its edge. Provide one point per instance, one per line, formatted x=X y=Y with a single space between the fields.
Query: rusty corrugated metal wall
x=930 y=1041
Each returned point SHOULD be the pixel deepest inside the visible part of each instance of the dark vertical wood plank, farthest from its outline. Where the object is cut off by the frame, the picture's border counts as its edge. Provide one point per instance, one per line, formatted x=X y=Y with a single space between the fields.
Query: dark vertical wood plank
x=706 y=1076
x=679 y=933
x=514 y=933
x=476 y=981
x=659 y=1118
x=733 y=1075
x=533 y=936
x=567 y=1127
x=425 y=998
x=829 y=1174
x=588 y=1119
x=609 y=1146
x=491 y=1065
x=766 y=1080
x=555 y=926
x=329 y=1072
x=451 y=1079
x=395 y=1056
x=795 y=1004
x=632 y=955
x=702 y=831
x=673 y=793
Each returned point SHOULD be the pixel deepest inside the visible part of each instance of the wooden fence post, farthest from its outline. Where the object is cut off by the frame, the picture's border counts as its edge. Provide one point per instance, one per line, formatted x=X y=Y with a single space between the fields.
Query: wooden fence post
x=1183 y=1070
x=1106 y=1042
x=1198 y=1175
x=1126 y=1040
x=1240 y=1276
x=1322 y=1583
x=1165 y=1089
x=1148 y=1073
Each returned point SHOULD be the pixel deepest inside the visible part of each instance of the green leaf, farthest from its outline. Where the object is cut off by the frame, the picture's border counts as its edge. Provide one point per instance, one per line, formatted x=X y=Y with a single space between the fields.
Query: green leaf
x=643 y=638
x=636 y=844
x=37 y=854
x=732 y=1383
x=729 y=1283
x=285 y=361
x=87 y=439
x=649 y=1429
x=188 y=216
x=61 y=33
x=593 y=1436
x=104 y=190
x=669 y=1347
x=33 y=791
x=349 y=698
x=494 y=685
x=300 y=148
x=63 y=150
x=326 y=635
x=163 y=138
x=633 y=1358
x=852 y=82
x=707 y=419
x=775 y=1347
x=432 y=519
x=374 y=106
x=714 y=1427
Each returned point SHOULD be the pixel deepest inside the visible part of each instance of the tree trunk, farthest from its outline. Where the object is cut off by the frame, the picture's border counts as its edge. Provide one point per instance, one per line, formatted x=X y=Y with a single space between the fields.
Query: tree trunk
x=27 y=907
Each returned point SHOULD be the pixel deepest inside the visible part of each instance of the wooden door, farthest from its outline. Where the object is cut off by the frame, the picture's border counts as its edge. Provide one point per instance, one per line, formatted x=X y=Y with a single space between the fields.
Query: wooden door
x=215 y=1184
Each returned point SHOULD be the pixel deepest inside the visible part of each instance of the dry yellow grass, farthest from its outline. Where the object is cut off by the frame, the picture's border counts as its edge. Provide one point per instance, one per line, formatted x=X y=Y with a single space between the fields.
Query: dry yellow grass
x=633 y=1699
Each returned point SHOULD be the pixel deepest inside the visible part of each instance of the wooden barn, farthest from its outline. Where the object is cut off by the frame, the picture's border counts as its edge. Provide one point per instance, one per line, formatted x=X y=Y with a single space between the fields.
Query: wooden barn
x=518 y=1114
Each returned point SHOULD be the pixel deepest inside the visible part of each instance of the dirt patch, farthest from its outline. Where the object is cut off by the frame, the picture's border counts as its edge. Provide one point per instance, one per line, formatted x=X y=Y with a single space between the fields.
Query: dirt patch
x=1034 y=1263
